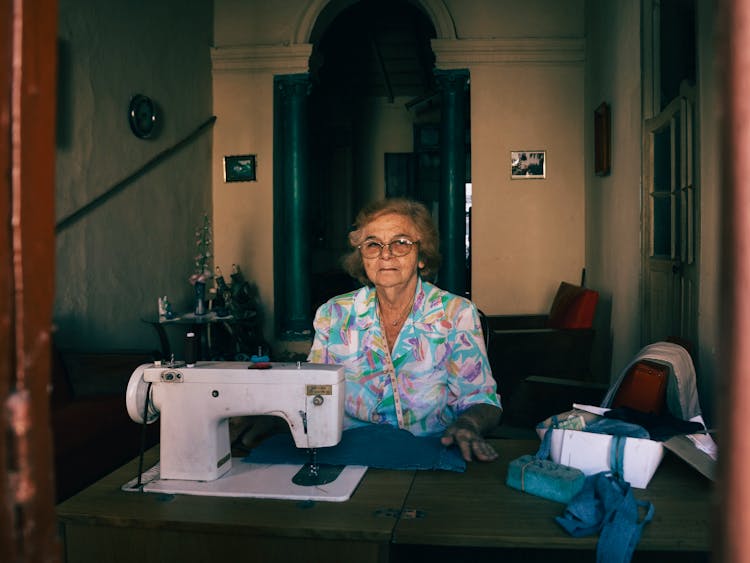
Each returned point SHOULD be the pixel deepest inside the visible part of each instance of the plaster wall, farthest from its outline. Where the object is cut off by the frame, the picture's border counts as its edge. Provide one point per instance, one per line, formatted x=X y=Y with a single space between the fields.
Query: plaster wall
x=481 y=19
x=613 y=213
x=243 y=22
x=113 y=263
x=389 y=129
x=528 y=235
x=243 y=211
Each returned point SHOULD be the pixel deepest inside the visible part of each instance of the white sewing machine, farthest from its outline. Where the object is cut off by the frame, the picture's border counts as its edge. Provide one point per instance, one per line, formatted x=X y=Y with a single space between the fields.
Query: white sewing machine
x=195 y=404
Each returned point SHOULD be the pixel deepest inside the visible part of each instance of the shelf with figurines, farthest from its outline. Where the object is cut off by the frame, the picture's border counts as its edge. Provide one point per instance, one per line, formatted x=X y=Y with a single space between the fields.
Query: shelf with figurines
x=230 y=329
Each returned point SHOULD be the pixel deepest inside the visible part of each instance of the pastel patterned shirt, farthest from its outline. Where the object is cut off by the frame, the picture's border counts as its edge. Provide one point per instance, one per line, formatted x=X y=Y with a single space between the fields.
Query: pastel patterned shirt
x=439 y=359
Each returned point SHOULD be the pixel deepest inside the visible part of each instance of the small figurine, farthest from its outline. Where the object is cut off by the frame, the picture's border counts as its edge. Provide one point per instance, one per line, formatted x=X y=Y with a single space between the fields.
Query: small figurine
x=165 y=309
x=223 y=300
x=244 y=303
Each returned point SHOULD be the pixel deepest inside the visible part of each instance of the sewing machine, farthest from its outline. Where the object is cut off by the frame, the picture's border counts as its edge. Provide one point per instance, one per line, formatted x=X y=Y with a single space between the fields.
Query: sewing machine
x=195 y=403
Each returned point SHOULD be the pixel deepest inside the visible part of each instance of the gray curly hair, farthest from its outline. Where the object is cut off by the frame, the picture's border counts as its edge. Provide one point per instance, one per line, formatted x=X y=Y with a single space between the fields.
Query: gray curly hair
x=429 y=241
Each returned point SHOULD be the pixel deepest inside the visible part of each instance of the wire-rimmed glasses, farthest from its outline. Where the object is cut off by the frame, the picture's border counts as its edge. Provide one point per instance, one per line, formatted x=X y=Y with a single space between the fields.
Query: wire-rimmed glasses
x=397 y=247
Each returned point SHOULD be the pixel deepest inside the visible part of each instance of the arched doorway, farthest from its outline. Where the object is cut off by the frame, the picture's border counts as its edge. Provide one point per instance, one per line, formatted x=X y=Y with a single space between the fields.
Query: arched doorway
x=369 y=70
x=378 y=120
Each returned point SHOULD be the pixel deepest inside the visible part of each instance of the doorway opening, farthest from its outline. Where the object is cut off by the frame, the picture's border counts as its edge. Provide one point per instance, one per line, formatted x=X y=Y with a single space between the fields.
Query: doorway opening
x=372 y=88
x=671 y=188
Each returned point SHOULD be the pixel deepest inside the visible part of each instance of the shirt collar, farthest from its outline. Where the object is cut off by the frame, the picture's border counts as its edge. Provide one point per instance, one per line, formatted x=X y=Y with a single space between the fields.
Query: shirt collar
x=429 y=317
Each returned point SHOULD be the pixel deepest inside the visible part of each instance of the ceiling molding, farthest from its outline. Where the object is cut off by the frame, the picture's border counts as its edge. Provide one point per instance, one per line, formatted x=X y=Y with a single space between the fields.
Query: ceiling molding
x=286 y=59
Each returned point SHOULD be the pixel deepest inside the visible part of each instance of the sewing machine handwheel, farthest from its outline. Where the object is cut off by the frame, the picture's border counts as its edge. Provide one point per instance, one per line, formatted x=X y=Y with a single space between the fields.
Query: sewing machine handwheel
x=136 y=396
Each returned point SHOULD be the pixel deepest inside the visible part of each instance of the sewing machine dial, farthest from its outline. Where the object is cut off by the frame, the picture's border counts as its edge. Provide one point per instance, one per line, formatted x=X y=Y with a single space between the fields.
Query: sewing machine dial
x=137 y=395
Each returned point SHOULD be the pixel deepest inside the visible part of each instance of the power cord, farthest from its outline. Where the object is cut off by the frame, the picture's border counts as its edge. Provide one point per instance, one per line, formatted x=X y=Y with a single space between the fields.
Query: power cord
x=143 y=437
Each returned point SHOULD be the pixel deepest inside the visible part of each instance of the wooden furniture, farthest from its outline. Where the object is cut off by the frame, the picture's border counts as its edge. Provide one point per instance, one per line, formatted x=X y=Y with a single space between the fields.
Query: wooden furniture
x=91 y=430
x=555 y=345
x=219 y=337
x=394 y=516
x=477 y=511
x=106 y=524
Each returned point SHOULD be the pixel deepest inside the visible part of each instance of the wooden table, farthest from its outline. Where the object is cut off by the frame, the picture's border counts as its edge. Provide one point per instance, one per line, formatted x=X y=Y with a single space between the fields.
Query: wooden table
x=477 y=510
x=104 y=524
x=215 y=334
x=446 y=516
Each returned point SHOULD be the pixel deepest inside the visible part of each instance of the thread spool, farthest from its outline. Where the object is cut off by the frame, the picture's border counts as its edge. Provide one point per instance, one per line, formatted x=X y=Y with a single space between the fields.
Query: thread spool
x=191 y=349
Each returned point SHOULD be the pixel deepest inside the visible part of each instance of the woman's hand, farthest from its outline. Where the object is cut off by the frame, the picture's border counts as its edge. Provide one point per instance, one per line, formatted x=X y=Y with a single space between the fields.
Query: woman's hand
x=469 y=441
x=466 y=432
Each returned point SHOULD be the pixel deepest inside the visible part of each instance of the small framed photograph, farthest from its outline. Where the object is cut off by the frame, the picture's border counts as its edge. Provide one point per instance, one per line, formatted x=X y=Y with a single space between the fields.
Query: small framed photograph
x=528 y=165
x=239 y=168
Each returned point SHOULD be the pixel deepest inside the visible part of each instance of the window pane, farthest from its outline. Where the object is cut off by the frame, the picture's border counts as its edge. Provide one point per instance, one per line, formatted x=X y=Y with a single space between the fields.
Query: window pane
x=662 y=160
x=662 y=225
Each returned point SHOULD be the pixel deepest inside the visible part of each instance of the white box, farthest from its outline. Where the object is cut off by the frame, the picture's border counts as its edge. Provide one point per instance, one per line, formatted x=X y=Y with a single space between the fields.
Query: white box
x=590 y=452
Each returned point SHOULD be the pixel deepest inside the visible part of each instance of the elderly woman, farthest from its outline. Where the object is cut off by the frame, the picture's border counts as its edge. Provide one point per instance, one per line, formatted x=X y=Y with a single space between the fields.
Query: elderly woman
x=413 y=354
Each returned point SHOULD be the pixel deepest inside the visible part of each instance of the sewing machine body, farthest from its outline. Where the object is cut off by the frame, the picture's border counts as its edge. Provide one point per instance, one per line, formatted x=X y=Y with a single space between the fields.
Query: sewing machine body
x=195 y=403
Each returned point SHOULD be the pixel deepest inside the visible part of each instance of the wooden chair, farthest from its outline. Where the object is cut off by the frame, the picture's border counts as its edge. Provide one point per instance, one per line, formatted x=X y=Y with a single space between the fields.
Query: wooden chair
x=528 y=353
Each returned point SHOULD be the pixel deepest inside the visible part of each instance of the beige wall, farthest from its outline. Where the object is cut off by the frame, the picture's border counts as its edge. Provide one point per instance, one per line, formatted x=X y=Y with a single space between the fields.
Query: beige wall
x=243 y=211
x=389 y=129
x=479 y=19
x=528 y=235
x=526 y=94
x=613 y=213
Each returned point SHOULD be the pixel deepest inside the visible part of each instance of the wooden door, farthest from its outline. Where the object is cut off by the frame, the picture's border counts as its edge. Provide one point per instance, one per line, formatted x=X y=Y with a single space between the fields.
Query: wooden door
x=671 y=222
x=28 y=46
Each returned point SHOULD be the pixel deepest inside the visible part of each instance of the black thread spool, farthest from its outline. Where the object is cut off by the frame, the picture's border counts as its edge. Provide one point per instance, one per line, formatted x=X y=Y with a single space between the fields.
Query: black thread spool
x=191 y=349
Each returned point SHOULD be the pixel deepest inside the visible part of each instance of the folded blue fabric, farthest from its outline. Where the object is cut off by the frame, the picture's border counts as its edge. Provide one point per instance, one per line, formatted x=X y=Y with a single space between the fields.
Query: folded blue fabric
x=606 y=506
x=375 y=445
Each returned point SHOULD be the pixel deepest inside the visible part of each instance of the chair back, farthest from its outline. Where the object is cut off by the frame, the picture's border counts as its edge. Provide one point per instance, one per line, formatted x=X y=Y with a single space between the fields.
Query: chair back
x=573 y=307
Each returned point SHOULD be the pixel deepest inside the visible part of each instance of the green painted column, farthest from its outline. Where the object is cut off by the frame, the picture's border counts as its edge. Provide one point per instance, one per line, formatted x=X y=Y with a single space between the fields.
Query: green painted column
x=453 y=85
x=291 y=194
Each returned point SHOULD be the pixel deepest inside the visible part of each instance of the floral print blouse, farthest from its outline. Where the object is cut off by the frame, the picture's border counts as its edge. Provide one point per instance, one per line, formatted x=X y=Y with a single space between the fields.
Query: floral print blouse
x=439 y=361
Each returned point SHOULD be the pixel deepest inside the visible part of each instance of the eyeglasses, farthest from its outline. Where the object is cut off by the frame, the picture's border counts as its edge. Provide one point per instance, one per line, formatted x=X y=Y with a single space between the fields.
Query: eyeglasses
x=398 y=247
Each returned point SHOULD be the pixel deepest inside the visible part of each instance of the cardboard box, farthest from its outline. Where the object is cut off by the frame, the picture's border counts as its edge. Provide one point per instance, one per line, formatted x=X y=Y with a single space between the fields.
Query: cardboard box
x=590 y=452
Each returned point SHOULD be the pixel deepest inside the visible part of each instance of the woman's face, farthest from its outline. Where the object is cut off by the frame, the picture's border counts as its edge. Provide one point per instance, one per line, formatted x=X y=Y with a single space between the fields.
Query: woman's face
x=388 y=270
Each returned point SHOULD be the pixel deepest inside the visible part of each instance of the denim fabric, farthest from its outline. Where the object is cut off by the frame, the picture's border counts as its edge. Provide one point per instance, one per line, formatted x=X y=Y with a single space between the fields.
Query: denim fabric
x=375 y=445
x=617 y=428
x=606 y=505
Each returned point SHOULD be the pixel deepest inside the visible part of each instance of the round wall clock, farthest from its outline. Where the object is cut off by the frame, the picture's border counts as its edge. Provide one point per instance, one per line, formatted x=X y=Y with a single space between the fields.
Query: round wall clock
x=142 y=116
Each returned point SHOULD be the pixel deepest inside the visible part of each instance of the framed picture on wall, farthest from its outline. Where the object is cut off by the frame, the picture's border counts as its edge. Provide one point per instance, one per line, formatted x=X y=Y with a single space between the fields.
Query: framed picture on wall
x=239 y=168
x=528 y=165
